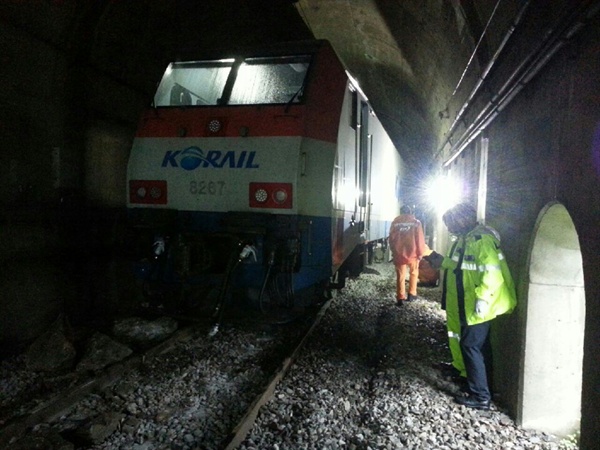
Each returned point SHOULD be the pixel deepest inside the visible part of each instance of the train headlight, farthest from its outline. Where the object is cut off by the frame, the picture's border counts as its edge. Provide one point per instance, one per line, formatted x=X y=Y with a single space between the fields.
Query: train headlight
x=148 y=192
x=141 y=192
x=261 y=195
x=280 y=196
x=155 y=192
x=270 y=195
x=214 y=126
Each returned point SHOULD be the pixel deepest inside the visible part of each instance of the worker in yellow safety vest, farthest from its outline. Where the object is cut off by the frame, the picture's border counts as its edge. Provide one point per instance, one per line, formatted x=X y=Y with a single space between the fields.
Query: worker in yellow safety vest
x=477 y=288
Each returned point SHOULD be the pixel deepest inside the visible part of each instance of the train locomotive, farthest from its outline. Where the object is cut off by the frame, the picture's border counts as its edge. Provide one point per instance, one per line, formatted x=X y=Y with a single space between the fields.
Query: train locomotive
x=262 y=173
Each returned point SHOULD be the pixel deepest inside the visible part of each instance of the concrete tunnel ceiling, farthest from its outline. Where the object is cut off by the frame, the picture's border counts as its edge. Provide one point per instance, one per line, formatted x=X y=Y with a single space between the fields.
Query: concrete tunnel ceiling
x=408 y=55
x=417 y=61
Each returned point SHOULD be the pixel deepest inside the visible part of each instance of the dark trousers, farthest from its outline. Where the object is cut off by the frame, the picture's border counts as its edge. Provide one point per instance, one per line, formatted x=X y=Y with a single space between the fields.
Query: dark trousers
x=476 y=349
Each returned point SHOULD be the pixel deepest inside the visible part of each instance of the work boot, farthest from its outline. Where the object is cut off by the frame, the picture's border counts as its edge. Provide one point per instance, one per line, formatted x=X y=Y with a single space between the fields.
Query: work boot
x=472 y=402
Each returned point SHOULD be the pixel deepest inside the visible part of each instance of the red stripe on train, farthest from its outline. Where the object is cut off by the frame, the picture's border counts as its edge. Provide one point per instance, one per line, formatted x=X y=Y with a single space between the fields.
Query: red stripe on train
x=317 y=118
x=232 y=121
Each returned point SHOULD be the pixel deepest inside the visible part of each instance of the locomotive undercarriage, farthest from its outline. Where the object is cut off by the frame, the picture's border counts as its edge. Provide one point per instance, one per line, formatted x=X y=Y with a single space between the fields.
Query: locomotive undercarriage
x=255 y=259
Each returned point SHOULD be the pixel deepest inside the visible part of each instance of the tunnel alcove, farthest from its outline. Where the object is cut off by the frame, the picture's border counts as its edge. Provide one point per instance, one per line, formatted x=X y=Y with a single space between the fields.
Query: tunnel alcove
x=550 y=397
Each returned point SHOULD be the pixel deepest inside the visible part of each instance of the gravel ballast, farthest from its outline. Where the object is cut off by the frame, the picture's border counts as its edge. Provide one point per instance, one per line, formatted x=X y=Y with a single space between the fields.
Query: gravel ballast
x=365 y=379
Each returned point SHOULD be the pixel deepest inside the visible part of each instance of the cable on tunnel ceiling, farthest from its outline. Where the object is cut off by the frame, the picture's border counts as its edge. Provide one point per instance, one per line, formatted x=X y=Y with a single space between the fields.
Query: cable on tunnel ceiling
x=526 y=70
x=483 y=76
x=476 y=47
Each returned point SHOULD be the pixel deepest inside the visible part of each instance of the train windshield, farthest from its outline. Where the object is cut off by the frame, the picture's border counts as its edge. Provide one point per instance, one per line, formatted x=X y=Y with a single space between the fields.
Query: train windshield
x=194 y=83
x=257 y=81
x=272 y=80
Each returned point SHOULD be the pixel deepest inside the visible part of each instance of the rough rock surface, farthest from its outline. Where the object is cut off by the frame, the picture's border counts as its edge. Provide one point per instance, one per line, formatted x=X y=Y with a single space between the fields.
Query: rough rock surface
x=102 y=351
x=141 y=332
x=52 y=351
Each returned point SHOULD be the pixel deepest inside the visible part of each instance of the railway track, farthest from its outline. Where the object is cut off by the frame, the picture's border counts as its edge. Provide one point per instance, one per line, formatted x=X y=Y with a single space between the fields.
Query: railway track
x=201 y=388
x=361 y=375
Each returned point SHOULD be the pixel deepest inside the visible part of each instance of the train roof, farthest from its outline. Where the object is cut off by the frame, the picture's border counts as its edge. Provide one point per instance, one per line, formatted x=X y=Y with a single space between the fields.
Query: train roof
x=277 y=49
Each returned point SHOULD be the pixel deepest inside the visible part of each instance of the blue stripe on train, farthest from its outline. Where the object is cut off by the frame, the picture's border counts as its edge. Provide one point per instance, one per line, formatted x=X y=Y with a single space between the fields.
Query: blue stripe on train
x=262 y=229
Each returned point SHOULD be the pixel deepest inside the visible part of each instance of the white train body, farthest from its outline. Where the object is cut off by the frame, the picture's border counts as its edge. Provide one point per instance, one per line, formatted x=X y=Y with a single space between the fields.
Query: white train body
x=278 y=152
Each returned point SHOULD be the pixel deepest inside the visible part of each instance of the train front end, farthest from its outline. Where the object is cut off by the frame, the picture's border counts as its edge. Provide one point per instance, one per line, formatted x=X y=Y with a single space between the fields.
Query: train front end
x=222 y=177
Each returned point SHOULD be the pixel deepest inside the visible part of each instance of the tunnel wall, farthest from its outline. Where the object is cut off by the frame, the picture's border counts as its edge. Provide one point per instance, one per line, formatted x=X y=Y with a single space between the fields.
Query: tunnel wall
x=579 y=186
x=76 y=76
x=32 y=132
x=63 y=152
x=544 y=147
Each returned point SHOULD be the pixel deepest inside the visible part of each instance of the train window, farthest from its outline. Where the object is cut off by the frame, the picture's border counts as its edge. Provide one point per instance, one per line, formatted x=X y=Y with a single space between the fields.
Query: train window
x=354 y=111
x=195 y=83
x=270 y=80
x=364 y=155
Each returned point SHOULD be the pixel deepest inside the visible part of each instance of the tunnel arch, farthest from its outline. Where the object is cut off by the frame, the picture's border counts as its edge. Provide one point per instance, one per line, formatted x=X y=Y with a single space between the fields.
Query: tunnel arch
x=551 y=378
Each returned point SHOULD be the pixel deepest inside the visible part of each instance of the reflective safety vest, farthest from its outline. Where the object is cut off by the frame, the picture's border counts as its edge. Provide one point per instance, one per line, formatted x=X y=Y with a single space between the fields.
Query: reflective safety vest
x=475 y=268
x=407 y=242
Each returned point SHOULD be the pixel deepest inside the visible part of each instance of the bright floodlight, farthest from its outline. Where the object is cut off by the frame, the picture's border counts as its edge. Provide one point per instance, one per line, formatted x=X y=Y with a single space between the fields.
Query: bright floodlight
x=443 y=193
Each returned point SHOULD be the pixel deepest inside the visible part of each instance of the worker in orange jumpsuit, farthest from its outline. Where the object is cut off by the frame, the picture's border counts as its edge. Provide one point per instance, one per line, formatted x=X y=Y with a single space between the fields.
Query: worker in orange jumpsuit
x=407 y=244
